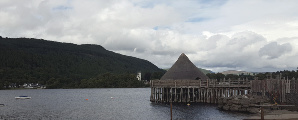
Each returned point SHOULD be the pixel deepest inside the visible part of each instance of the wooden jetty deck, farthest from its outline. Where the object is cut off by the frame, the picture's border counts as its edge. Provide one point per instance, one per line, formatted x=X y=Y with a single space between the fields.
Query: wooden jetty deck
x=196 y=90
x=184 y=82
x=210 y=90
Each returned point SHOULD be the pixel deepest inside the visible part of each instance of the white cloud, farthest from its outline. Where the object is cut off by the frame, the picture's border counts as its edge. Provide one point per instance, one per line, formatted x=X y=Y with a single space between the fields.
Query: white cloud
x=218 y=35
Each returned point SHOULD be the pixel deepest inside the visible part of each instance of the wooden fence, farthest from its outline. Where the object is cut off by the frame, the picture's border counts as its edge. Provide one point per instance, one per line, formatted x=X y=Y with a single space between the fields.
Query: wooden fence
x=275 y=88
x=210 y=90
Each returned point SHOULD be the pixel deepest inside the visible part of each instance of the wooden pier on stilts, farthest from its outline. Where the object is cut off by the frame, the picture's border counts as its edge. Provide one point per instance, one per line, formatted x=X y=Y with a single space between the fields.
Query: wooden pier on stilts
x=206 y=91
x=184 y=82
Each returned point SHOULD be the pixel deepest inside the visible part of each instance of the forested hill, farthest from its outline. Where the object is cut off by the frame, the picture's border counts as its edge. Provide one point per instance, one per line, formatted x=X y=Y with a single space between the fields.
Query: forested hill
x=26 y=60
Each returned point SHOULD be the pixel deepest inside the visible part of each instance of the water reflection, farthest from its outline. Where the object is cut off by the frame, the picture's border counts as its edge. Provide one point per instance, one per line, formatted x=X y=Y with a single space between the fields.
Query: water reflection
x=197 y=111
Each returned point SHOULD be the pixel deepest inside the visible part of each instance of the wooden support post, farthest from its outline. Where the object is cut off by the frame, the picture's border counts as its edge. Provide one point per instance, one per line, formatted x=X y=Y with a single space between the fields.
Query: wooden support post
x=193 y=94
x=211 y=95
x=151 y=95
x=216 y=95
x=171 y=92
x=227 y=92
x=181 y=93
x=175 y=99
x=153 y=98
x=159 y=94
x=185 y=95
x=230 y=92
x=159 y=97
x=197 y=94
x=202 y=95
x=188 y=95
x=222 y=92
x=205 y=95
x=155 y=94
x=283 y=91
x=208 y=95
x=162 y=94
x=165 y=94
x=238 y=91
x=168 y=96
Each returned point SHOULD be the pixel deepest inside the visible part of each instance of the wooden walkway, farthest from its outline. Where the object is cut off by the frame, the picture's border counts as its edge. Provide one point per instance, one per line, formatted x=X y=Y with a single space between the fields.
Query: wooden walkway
x=196 y=90
x=210 y=90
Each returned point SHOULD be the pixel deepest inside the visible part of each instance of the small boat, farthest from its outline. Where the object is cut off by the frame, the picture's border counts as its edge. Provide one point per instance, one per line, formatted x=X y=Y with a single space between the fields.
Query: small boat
x=1 y=105
x=23 y=97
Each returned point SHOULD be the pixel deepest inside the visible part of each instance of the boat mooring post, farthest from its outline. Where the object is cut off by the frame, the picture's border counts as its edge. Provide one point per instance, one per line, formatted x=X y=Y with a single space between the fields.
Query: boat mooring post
x=262 y=113
x=171 y=111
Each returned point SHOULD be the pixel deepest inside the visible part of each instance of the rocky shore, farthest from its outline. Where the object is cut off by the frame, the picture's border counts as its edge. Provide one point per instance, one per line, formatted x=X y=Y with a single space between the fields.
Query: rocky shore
x=242 y=103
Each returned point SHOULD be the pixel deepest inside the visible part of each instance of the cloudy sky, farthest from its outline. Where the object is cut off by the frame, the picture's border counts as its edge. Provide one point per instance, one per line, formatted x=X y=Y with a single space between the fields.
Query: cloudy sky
x=219 y=35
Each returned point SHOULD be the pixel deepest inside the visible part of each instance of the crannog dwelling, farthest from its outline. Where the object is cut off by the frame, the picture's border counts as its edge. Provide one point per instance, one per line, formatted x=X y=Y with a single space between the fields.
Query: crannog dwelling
x=184 y=82
x=183 y=68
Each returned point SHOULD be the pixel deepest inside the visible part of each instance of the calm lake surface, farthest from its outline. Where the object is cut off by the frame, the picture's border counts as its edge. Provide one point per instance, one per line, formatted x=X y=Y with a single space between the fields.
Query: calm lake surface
x=101 y=104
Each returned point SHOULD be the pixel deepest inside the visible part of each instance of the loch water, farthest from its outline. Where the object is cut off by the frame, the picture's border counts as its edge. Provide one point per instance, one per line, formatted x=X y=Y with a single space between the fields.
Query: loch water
x=101 y=104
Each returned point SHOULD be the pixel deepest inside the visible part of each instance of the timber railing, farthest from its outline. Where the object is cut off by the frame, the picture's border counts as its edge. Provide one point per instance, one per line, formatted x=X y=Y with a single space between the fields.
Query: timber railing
x=200 y=83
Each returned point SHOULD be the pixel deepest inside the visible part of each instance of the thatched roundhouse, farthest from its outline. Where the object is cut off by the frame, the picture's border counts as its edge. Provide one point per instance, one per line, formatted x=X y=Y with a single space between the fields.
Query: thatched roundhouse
x=184 y=82
x=183 y=68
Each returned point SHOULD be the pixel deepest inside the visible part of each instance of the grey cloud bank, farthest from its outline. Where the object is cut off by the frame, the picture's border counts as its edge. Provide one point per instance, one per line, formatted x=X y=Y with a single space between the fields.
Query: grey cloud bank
x=274 y=50
x=216 y=35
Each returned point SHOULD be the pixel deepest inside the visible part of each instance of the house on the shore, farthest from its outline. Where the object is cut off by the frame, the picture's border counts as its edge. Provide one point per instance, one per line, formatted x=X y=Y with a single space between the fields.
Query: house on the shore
x=139 y=77
x=33 y=86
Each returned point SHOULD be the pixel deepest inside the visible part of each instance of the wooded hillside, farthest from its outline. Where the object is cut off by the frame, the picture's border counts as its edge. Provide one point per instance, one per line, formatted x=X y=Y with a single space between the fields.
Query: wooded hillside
x=59 y=65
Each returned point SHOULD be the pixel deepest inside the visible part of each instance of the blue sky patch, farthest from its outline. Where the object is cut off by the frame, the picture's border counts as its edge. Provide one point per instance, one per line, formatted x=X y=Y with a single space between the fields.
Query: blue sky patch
x=198 y=19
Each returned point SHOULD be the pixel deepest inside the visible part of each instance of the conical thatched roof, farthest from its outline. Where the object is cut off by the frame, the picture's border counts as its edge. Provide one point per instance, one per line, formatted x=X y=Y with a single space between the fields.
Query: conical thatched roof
x=183 y=68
